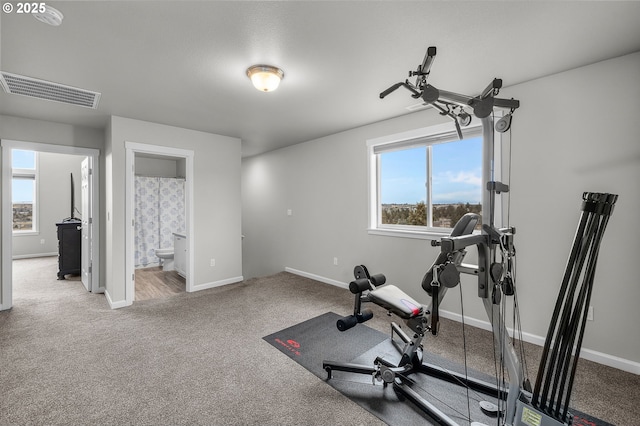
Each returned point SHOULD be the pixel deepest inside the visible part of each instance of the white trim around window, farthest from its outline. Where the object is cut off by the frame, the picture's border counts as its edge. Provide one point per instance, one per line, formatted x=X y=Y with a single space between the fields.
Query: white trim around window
x=29 y=174
x=418 y=137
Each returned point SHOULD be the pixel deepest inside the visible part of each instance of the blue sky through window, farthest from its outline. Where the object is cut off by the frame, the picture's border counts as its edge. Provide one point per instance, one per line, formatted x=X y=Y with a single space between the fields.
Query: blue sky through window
x=23 y=159
x=403 y=176
x=456 y=175
x=22 y=189
x=457 y=172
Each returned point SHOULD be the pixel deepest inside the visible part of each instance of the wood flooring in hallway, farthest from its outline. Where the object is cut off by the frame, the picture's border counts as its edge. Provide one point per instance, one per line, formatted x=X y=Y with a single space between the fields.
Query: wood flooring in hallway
x=153 y=283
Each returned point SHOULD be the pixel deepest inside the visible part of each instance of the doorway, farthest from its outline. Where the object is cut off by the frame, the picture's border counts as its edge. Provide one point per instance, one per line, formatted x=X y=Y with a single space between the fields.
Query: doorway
x=88 y=184
x=180 y=238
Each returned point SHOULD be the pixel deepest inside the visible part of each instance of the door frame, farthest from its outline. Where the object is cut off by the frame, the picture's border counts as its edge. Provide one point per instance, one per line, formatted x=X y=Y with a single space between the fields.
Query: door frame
x=6 y=285
x=87 y=219
x=131 y=149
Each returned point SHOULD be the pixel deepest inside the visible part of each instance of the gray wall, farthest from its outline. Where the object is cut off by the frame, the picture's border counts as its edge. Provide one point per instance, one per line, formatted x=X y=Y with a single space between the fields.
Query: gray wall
x=46 y=132
x=216 y=190
x=54 y=200
x=576 y=131
x=217 y=203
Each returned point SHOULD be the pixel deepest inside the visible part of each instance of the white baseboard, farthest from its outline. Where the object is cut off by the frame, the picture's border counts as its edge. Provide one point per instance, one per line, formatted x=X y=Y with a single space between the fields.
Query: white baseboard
x=213 y=284
x=611 y=361
x=588 y=354
x=29 y=256
x=486 y=325
x=115 y=305
x=148 y=265
x=585 y=353
x=317 y=278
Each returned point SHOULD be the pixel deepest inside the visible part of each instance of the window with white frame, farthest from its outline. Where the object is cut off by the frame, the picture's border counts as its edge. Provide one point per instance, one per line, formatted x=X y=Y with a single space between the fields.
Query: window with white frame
x=423 y=181
x=24 y=191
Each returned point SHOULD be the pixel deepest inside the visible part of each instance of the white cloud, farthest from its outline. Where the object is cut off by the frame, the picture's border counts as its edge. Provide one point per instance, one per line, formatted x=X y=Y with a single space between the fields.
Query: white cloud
x=464 y=177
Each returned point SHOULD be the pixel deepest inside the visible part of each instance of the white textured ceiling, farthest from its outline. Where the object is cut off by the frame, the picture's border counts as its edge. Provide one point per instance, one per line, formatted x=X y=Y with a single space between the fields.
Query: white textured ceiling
x=183 y=63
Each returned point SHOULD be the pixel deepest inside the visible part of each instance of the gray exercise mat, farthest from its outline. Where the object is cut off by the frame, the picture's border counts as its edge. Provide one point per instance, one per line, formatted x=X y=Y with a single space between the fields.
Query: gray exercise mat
x=316 y=340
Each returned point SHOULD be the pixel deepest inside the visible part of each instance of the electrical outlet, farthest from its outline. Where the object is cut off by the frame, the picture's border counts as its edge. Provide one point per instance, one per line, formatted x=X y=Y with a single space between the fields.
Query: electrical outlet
x=213 y=262
x=289 y=212
x=42 y=241
x=335 y=261
x=590 y=313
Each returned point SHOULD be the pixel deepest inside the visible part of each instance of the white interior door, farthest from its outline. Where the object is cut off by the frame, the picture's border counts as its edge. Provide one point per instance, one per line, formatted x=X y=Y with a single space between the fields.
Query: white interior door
x=87 y=224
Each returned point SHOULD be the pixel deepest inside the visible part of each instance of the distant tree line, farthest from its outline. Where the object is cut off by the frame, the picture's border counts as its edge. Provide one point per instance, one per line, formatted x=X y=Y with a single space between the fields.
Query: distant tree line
x=444 y=215
x=22 y=216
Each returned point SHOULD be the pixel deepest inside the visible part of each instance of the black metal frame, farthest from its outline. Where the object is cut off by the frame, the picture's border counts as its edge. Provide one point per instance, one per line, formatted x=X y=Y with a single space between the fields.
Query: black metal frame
x=452 y=248
x=550 y=398
x=426 y=320
x=561 y=351
x=453 y=104
x=411 y=362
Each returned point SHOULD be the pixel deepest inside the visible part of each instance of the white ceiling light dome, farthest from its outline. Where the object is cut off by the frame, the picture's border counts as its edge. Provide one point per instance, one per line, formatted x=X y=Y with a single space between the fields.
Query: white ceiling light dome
x=49 y=15
x=265 y=78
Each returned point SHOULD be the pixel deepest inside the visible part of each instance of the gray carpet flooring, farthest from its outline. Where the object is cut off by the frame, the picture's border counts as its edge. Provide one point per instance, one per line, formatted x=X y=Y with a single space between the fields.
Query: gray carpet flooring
x=199 y=358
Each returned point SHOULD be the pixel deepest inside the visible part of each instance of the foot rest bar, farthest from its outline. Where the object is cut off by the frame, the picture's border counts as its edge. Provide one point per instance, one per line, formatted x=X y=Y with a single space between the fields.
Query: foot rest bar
x=460 y=379
x=350 y=321
x=427 y=407
x=329 y=366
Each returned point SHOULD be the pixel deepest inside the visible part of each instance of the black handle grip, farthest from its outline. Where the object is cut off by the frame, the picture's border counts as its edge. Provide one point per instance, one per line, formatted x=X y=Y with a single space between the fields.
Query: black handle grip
x=390 y=89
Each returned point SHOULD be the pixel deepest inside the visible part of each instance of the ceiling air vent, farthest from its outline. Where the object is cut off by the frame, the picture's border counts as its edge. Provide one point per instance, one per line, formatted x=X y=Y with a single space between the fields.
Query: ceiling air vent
x=32 y=87
x=418 y=107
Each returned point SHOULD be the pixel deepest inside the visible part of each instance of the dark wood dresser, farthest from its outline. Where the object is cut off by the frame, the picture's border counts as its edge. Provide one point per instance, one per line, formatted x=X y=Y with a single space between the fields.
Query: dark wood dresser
x=69 y=247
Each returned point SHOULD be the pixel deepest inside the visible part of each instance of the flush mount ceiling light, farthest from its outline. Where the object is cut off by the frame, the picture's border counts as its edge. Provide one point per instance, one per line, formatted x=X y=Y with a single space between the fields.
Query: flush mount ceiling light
x=48 y=14
x=265 y=78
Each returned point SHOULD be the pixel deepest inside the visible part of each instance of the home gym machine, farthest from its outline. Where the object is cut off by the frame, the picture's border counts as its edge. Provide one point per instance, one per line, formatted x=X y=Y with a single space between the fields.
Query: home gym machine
x=519 y=404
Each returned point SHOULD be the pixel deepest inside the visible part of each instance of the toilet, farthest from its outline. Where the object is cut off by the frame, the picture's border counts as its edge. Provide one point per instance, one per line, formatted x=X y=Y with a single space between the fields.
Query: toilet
x=166 y=258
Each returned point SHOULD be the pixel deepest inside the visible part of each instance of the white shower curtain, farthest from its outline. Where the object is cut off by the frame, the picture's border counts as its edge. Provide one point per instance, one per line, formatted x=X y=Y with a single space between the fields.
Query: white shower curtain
x=159 y=212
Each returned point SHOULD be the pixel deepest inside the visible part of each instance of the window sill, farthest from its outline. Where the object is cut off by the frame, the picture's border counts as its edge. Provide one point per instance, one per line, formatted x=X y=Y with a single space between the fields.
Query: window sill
x=407 y=233
x=25 y=233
